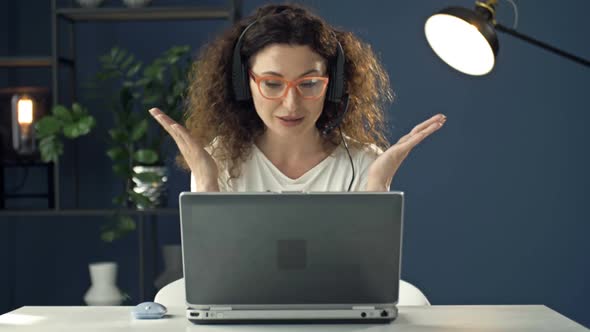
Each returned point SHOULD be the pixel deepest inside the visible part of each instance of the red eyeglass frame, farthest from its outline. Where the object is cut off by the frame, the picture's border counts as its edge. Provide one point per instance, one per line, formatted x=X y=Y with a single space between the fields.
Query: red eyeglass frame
x=290 y=84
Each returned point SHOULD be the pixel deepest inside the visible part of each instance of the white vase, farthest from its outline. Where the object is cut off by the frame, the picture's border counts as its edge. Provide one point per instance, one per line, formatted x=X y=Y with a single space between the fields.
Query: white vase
x=103 y=289
x=172 y=255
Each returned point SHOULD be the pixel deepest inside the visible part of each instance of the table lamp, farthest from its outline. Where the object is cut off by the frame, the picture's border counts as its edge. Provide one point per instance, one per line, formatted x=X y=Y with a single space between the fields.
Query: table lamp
x=466 y=39
x=25 y=111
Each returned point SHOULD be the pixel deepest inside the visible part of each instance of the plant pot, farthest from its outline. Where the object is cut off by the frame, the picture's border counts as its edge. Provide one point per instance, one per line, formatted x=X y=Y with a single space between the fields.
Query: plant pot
x=172 y=255
x=155 y=191
x=136 y=3
x=103 y=290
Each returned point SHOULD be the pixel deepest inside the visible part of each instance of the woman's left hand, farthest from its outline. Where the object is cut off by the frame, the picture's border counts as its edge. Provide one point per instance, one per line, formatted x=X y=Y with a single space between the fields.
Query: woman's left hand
x=383 y=169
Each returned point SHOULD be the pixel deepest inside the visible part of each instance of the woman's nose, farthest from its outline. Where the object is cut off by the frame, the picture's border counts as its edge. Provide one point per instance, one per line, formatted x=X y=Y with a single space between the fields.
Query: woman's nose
x=291 y=99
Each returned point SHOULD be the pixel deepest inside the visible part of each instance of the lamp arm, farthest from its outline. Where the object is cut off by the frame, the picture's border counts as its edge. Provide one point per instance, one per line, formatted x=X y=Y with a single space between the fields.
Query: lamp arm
x=541 y=44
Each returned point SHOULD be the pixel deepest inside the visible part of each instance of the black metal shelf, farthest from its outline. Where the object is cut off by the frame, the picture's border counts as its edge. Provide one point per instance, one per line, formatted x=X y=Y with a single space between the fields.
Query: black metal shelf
x=87 y=212
x=26 y=61
x=144 y=14
x=31 y=61
x=71 y=16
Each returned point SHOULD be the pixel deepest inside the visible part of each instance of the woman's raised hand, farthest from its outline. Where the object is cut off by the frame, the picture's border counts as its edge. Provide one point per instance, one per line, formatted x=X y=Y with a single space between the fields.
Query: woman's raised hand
x=200 y=162
x=383 y=169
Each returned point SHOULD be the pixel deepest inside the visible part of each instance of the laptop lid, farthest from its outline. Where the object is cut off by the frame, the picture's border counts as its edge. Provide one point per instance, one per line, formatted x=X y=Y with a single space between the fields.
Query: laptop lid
x=295 y=250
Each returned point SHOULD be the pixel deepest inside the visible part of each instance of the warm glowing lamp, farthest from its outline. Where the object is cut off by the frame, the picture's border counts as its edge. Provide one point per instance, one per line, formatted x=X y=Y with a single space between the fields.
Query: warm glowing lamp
x=23 y=117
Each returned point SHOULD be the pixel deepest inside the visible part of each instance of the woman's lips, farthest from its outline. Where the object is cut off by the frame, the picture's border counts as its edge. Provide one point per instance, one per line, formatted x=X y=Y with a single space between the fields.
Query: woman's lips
x=290 y=121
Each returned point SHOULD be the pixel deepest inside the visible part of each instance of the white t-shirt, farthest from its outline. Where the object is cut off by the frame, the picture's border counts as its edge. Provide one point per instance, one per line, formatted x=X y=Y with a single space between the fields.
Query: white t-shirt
x=258 y=174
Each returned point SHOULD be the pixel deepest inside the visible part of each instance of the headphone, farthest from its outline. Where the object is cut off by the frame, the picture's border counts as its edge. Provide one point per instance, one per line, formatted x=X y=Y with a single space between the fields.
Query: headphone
x=334 y=93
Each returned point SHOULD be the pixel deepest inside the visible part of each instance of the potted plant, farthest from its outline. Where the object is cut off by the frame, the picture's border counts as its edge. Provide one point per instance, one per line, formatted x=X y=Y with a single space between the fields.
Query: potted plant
x=62 y=123
x=136 y=142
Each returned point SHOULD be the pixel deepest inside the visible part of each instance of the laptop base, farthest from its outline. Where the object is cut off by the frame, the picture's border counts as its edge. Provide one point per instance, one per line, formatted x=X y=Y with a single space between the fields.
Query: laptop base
x=292 y=321
x=315 y=316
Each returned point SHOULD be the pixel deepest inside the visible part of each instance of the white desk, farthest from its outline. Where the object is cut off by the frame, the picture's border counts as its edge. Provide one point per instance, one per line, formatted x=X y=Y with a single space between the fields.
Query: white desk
x=536 y=318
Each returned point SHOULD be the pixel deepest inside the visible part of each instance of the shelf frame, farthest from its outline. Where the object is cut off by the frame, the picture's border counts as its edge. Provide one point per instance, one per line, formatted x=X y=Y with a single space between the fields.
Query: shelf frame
x=32 y=61
x=87 y=212
x=176 y=13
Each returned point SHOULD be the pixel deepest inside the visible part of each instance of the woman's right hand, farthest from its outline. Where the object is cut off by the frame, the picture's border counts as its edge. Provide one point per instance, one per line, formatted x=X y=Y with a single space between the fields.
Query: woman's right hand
x=200 y=162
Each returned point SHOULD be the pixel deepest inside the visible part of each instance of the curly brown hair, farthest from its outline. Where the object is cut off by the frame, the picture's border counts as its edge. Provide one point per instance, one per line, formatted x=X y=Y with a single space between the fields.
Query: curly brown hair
x=212 y=112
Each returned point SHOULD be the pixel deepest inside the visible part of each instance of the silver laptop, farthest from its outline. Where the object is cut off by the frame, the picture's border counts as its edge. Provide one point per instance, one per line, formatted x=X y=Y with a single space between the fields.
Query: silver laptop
x=291 y=257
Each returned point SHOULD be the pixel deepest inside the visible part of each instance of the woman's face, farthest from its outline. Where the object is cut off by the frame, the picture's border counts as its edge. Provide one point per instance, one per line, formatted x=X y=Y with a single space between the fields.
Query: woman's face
x=291 y=115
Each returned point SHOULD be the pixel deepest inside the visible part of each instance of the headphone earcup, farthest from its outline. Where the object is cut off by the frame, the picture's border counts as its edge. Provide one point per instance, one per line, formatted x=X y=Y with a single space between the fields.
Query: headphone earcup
x=335 y=90
x=239 y=72
x=246 y=94
x=331 y=83
x=240 y=81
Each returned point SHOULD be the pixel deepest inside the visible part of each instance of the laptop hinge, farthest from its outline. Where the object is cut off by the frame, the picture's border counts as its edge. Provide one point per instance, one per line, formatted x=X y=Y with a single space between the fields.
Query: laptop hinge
x=363 y=307
x=220 y=308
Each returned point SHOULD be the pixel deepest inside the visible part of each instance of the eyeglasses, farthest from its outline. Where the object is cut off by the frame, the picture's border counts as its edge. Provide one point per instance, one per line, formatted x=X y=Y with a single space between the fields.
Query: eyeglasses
x=274 y=87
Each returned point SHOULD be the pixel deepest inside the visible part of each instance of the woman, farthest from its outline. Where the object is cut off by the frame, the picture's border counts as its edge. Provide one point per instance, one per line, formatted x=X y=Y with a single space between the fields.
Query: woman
x=283 y=101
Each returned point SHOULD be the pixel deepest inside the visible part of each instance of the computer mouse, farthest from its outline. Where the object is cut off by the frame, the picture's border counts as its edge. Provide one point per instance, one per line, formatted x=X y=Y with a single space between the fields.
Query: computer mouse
x=149 y=310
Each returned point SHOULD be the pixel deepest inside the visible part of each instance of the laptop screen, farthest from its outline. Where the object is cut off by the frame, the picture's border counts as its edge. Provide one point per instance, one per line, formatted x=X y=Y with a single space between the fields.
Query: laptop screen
x=324 y=248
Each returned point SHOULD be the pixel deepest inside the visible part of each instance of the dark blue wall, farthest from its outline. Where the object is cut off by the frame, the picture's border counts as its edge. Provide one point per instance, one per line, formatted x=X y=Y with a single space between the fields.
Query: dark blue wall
x=495 y=211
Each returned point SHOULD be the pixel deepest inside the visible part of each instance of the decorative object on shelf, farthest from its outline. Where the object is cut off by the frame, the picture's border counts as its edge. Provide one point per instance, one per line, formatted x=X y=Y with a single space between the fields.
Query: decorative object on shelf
x=136 y=3
x=103 y=290
x=63 y=122
x=172 y=255
x=89 y=3
x=27 y=106
x=20 y=110
x=23 y=136
x=136 y=140
x=154 y=187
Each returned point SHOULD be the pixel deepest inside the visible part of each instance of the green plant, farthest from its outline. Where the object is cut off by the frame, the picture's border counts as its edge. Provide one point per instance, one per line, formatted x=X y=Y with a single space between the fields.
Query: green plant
x=135 y=139
x=62 y=123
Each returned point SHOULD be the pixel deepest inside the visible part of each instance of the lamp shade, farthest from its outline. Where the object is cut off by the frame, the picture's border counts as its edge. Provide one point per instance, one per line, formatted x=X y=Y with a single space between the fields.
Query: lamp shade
x=464 y=39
